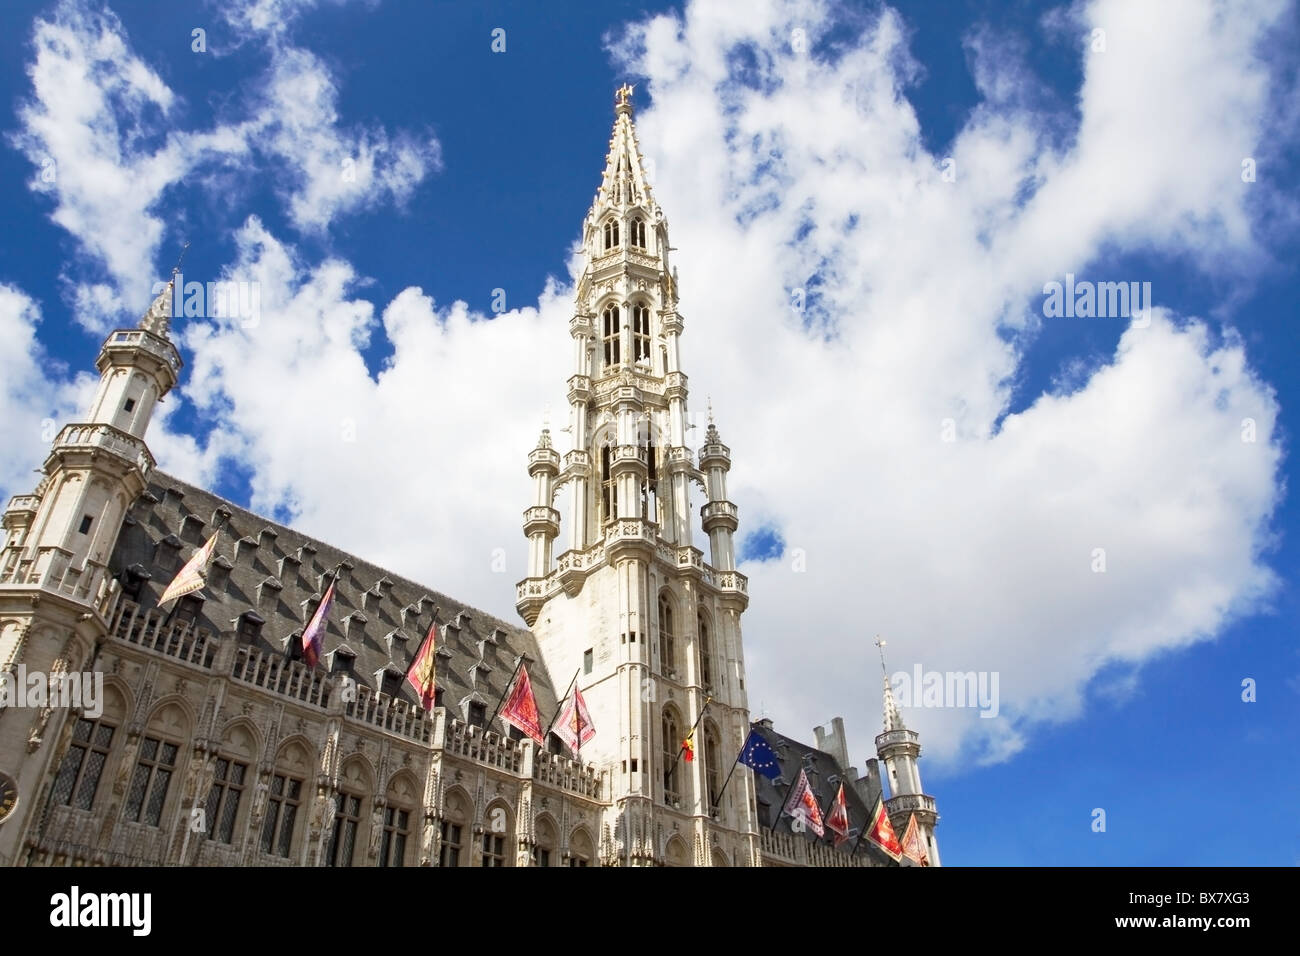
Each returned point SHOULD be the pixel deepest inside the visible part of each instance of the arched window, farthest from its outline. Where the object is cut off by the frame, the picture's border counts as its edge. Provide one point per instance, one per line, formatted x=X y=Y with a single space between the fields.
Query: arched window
x=641 y=334
x=666 y=643
x=712 y=767
x=293 y=767
x=454 y=816
x=581 y=852
x=671 y=744
x=230 y=778
x=495 y=832
x=611 y=234
x=156 y=763
x=638 y=232
x=610 y=336
x=349 y=811
x=608 y=486
x=397 y=821
x=83 y=765
x=544 y=846
x=706 y=654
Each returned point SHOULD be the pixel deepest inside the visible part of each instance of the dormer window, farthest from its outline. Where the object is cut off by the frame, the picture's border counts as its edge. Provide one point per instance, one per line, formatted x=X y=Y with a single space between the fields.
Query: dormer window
x=344 y=661
x=609 y=335
x=638 y=232
x=477 y=713
x=611 y=234
x=249 y=628
x=641 y=334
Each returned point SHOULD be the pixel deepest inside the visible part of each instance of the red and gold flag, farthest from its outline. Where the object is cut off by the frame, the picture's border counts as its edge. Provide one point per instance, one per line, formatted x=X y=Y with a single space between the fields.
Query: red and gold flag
x=881 y=832
x=688 y=746
x=191 y=577
x=803 y=804
x=574 y=725
x=521 y=708
x=423 y=669
x=838 y=820
x=313 y=635
x=913 y=846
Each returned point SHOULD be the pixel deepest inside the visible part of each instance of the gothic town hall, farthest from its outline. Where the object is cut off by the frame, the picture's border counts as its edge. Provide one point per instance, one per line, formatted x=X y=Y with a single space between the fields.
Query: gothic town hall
x=210 y=714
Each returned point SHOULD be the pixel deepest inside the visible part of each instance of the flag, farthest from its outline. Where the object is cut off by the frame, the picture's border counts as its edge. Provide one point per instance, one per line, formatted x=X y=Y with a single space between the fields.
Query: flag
x=913 y=846
x=421 y=674
x=758 y=755
x=838 y=820
x=688 y=746
x=881 y=832
x=314 y=633
x=193 y=576
x=574 y=725
x=803 y=804
x=521 y=709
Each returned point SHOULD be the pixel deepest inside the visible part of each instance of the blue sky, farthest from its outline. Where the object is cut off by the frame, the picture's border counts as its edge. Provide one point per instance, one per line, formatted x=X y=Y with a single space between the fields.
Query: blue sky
x=777 y=170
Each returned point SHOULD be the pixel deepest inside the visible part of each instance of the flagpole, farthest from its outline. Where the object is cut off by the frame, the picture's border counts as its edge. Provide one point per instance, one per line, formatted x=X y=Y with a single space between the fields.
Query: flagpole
x=334 y=578
x=519 y=662
x=780 y=811
x=681 y=750
x=734 y=764
x=559 y=707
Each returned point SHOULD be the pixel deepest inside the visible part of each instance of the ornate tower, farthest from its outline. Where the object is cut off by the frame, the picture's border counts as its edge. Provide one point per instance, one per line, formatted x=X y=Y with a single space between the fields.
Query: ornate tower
x=899 y=750
x=631 y=607
x=56 y=593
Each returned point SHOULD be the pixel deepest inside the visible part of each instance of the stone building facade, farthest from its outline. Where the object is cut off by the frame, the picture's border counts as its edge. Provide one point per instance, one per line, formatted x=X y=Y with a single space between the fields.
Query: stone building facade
x=214 y=743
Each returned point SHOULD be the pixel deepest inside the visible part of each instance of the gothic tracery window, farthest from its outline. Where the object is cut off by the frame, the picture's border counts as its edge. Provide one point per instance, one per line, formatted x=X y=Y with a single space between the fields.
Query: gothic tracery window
x=670 y=745
x=641 y=334
x=611 y=234
x=638 y=232
x=706 y=654
x=610 y=336
x=666 y=634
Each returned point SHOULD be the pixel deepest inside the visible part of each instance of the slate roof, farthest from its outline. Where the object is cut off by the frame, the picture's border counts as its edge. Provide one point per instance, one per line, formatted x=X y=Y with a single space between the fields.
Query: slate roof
x=279 y=574
x=824 y=776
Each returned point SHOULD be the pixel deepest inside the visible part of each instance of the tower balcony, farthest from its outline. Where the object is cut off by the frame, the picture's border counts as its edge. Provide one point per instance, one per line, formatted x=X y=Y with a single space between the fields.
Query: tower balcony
x=54 y=569
x=732 y=581
x=678 y=459
x=904 y=805
x=630 y=537
x=530 y=595
x=581 y=325
x=671 y=322
x=545 y=460
x=577 y=464
x=579 y=388
x=719 y=514
x=21 y=511
x=129 y=346
x=86 y=442
x=715 y=454
x=899 y=742
x=626 y=459
x=675 y=386
x=541 y=519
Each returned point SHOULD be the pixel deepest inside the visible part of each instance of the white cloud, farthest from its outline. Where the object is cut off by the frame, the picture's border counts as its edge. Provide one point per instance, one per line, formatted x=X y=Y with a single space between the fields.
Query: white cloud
x=807 y=172
x=105 y=136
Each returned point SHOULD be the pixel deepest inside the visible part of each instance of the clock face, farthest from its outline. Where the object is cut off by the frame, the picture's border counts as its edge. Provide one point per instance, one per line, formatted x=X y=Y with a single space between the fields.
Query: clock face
x=8 y=795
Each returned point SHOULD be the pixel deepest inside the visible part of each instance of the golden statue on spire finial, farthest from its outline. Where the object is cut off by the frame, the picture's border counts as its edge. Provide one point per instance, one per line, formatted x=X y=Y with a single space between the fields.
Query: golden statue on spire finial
x=623 y=96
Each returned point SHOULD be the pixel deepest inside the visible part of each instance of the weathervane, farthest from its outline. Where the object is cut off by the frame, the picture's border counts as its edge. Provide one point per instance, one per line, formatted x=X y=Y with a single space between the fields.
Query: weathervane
x=881 y=644
x=181 y=258
x=624 y=95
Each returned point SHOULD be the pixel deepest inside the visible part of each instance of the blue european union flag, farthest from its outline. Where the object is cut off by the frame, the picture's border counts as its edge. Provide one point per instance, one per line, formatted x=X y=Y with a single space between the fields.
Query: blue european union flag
x=758 y=755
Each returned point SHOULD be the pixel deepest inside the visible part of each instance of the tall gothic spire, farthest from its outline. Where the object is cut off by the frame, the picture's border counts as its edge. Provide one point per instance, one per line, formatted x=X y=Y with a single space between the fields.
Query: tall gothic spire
x=158 y=317
x=893 y=719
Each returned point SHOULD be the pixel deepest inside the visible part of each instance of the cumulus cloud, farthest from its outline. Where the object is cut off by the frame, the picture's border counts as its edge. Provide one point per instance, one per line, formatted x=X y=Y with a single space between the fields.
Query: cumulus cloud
x=100 y=128
x=799 y=167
